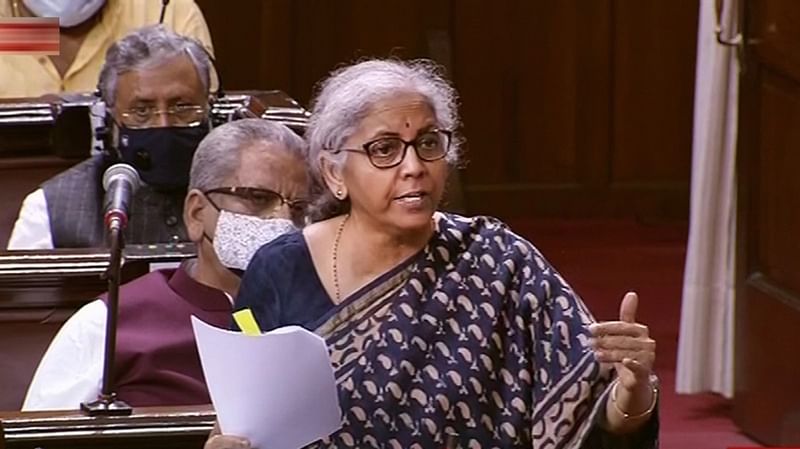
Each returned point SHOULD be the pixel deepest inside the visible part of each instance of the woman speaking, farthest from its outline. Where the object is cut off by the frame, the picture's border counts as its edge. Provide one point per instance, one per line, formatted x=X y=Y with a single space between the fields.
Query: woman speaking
x=442 y=329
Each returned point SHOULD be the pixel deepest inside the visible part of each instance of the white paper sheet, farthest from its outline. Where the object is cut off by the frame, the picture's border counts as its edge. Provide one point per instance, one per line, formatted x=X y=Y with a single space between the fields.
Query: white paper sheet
x=276 y=389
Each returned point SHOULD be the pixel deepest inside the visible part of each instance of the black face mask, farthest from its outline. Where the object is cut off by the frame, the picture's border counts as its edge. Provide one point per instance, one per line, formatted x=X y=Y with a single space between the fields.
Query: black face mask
x=162 y=156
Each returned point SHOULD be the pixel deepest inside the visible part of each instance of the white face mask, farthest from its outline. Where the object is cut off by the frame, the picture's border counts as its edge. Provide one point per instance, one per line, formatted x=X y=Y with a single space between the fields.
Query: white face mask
x=238 y=236
x=69 y=12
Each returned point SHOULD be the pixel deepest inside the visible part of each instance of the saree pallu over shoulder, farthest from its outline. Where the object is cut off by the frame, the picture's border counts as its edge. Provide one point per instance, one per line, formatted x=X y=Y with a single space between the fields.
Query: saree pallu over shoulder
x=475 y=336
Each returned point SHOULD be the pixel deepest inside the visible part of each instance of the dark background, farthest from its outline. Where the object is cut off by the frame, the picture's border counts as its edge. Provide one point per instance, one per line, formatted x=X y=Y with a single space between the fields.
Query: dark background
x=571 y=109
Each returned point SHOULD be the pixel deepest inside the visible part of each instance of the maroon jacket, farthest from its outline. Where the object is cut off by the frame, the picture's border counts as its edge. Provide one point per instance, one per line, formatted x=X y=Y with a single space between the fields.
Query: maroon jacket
x=156 y=359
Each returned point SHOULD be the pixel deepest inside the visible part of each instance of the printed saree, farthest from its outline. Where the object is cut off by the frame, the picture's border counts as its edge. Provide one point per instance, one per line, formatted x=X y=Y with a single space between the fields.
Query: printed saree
x=476 y=336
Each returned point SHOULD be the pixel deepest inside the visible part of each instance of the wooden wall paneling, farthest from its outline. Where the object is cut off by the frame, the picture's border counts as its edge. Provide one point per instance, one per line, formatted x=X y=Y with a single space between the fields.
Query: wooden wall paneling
x=545 y=58
x=775 y=33
x=542 y=151
x=277 y=60
x=570 y=109
x=336 y=33
x=24 y=344
x=252 y=42
x=484 y=75
x=654 y=48
x=593 y=94
x=18 y=178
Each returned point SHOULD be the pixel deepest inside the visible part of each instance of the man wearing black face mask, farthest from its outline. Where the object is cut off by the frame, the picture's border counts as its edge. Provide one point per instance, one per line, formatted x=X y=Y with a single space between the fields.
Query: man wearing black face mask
x=249 y=182
x=155 y=85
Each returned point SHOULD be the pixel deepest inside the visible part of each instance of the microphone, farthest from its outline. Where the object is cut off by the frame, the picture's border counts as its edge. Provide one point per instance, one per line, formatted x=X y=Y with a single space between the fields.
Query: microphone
x=120 y=181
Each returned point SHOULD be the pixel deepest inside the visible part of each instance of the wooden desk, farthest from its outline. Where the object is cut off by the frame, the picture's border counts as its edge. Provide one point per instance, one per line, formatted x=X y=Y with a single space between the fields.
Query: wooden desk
x=148 y=427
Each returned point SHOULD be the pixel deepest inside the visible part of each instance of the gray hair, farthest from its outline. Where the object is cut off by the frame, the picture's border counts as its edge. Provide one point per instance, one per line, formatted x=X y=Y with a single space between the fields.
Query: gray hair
x=146 y=47
x=218 y=155
x=345 y=98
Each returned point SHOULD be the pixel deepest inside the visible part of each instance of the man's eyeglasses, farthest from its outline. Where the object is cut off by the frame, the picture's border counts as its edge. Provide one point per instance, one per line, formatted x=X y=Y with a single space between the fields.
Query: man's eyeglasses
x=177 y=115
x=388 y=152
x=262 y=202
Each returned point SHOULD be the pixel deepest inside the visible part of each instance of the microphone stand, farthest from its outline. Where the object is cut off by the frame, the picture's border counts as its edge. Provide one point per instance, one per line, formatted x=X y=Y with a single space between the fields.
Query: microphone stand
x=107 y=403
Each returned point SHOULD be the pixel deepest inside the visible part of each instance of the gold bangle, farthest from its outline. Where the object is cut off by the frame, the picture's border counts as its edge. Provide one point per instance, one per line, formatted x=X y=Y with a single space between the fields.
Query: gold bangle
x=626 y=415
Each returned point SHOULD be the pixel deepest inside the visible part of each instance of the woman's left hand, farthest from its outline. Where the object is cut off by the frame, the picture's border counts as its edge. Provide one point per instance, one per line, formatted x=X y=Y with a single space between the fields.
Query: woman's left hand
x=627 y=344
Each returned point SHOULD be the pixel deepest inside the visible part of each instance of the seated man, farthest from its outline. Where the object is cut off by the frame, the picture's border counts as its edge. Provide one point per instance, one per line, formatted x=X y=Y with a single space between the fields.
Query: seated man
x=88 y=28
x=248 y=185
x=155 y=86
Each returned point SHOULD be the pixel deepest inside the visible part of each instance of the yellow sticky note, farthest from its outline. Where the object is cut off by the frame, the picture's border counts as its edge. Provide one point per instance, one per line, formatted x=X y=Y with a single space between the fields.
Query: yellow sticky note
x=246 y=321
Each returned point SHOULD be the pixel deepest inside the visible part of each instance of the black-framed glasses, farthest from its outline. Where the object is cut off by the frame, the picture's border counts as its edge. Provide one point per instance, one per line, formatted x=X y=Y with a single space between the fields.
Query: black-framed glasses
x=181 y=114
x=261 y=202
x=388 y=152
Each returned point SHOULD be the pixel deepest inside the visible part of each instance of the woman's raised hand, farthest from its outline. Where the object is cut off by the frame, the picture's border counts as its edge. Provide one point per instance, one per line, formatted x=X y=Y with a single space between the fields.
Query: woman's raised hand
x=627 y=344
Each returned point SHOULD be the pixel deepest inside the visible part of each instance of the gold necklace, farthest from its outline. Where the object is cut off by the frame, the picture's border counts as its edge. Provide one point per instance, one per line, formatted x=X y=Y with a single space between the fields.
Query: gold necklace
x=336 y=258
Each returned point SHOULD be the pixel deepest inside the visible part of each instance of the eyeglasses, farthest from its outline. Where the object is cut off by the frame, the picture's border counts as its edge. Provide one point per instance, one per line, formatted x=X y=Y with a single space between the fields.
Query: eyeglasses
x=388 y=152
x=262 y=202
x=177 y=115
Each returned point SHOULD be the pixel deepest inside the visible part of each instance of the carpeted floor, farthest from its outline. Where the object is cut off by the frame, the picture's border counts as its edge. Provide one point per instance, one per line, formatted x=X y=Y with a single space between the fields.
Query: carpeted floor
x=604 y=259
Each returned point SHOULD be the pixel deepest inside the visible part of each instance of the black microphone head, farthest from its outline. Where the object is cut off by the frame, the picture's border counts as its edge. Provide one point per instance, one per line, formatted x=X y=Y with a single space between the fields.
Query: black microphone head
x=124 y=172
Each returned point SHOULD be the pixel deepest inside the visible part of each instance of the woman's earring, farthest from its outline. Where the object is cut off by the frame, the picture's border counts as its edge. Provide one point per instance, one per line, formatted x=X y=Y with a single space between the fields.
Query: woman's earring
x=339 y=195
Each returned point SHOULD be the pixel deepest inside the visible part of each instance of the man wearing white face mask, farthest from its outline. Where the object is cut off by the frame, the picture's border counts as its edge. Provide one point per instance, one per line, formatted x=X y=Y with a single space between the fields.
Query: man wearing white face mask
x=88 y=28
x=248 y=184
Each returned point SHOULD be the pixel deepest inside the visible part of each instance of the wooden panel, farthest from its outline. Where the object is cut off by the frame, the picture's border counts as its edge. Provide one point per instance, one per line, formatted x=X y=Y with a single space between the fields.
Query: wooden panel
x=570 y=144
x=484 y=76
x=23 y=345
x=544 y=75
x=774 y=31
x=251 y=43
x=519 y=90
x=335 y=33
x=150 y=427
x=767 y=402
x=19 y=177
x=593 y=93
x=777 y=255
x=648 y=203
x=546 y=58
x=653 y=84
x=570 y=108
x=768 y=310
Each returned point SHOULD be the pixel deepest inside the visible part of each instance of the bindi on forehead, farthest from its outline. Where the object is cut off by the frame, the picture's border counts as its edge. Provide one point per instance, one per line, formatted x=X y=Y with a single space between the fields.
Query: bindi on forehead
x=396 y=115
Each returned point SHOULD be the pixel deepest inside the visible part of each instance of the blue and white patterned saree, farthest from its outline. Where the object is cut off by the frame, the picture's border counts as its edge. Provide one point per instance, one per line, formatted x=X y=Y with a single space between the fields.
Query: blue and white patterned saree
x=475 y=336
